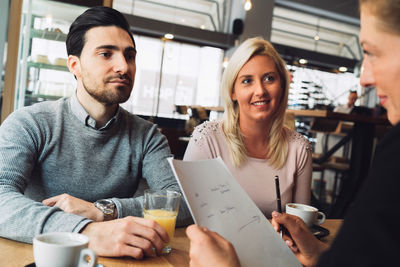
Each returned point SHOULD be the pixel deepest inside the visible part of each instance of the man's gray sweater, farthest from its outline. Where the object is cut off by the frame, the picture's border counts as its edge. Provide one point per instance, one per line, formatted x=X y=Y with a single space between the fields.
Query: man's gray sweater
x=46 y=151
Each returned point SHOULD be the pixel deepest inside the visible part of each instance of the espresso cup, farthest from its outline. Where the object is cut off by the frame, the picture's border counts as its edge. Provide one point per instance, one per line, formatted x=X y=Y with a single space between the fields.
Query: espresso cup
x=63 y=249
x=308 y=214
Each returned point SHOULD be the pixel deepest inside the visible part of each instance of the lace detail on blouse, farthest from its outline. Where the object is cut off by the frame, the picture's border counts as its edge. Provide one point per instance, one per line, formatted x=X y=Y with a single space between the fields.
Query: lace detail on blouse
x=207 y=128
x=298 y=138
x=203 y=130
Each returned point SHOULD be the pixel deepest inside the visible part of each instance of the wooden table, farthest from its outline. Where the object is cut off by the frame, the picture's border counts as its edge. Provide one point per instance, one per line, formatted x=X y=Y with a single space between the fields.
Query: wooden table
x=17 y=254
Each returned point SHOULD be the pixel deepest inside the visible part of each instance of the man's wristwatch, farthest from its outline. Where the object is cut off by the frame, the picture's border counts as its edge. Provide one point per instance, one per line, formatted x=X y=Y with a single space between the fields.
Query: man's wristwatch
x=107 y=206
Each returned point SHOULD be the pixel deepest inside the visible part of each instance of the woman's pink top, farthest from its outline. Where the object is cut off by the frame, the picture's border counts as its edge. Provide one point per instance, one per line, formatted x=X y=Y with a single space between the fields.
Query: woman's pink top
x=256 y=176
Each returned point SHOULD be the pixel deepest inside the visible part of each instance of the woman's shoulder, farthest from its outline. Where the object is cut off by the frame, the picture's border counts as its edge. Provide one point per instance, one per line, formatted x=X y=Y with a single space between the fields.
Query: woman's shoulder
x=208 y=128
x=297 y=139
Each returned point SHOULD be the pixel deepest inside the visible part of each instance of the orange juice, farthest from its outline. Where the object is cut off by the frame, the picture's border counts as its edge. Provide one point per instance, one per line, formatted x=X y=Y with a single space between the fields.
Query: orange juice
x=165 y=218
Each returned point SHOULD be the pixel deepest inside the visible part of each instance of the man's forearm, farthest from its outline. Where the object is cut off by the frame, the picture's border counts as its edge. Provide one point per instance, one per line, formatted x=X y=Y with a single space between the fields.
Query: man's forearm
x=23 y=218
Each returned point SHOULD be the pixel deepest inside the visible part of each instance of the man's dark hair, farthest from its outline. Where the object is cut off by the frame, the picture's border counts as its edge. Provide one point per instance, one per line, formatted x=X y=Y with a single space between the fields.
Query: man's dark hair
x=93 y=17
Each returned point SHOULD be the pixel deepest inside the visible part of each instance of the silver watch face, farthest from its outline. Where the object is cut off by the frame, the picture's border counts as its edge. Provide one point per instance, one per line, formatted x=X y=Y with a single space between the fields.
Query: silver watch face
x=106 y=203
x=107 y=206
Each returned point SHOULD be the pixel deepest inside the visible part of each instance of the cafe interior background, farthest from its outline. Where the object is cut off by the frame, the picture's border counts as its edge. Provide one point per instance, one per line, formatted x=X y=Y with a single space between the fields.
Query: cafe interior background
x=183 y=47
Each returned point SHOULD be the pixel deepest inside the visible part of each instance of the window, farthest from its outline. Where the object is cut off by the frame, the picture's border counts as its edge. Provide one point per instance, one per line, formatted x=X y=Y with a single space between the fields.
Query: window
x=170 y=73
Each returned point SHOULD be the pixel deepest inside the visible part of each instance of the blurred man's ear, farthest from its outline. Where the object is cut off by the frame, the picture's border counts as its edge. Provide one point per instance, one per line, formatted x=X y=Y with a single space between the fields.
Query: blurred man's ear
x=74 y=65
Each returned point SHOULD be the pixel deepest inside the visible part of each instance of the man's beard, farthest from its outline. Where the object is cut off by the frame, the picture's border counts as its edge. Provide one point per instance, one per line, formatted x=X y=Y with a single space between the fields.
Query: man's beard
x=107 y=96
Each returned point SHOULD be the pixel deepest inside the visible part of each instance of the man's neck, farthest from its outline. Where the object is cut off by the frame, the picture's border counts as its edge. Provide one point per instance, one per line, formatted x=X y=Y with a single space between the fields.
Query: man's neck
x=100 y=112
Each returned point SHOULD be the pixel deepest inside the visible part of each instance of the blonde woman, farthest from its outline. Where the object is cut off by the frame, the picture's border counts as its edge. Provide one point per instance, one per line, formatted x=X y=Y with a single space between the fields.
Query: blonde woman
x=251 y=138
x=370 y=233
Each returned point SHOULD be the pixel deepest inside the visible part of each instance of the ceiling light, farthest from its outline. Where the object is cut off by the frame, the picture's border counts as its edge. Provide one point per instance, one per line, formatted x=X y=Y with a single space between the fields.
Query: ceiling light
x=248 y=5
x=303 y=61
x=316 y=37
x=202 y=27
x=169 y=36
x=342 y=69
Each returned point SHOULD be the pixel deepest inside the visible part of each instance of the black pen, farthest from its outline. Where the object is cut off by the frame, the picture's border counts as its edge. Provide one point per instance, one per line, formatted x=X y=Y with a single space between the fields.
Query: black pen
x=278 y=203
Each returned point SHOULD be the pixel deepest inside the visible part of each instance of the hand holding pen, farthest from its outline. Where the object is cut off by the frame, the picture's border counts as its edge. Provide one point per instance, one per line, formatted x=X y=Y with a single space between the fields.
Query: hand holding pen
x=282 y=229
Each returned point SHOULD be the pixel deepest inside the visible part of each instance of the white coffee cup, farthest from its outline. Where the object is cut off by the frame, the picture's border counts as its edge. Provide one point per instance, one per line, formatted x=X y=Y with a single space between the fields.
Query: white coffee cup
x=63 y=249
x=308 y=214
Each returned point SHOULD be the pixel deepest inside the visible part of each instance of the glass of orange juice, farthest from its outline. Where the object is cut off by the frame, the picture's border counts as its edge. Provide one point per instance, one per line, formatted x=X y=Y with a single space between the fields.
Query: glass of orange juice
x=162 y=206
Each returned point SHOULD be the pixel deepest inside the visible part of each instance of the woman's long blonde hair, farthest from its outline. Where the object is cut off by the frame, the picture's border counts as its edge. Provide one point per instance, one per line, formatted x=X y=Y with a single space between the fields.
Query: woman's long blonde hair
x=278 y=145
